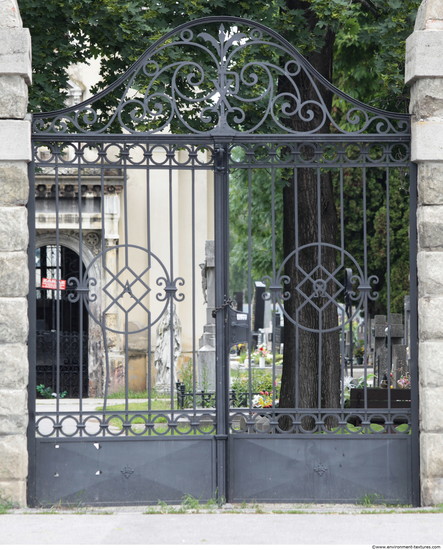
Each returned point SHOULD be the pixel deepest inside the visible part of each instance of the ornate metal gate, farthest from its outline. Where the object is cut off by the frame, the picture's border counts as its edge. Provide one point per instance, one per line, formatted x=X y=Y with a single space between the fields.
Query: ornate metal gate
x=220 y=165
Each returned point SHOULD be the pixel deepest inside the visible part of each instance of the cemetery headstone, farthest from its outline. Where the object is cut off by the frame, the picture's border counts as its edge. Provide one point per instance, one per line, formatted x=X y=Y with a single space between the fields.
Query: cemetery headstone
x=206 y=352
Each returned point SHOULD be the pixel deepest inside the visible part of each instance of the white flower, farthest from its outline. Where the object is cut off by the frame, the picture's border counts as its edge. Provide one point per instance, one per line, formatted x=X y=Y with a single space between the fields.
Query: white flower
x=349 y=382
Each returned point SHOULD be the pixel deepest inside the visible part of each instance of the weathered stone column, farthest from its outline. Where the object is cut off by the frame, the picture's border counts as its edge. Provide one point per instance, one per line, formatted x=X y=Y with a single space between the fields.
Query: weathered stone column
x=424 y=73
x=15 y=153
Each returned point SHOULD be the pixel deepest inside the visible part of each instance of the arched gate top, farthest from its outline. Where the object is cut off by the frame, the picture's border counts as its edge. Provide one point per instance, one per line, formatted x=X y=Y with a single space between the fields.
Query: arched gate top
x=222 y=76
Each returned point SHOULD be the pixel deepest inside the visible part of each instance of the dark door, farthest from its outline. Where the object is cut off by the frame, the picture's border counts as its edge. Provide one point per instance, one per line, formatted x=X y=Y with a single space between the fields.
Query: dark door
x=62 y=329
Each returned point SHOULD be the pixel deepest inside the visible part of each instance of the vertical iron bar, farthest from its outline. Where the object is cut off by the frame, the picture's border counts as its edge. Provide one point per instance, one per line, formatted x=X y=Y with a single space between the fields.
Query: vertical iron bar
x=104 y=271
x=148 y=242
x=126 y=226
x=250 y=290
x=171 y=300
x=413 y=342
x=297 y=329
x=365 y=269
x=81 y=284
x=274 y=274
x=221 y=199
x=343 y=368
x=194 y=296
x=56 y=293
x=365 y=303
x=388 y=286
x=320 y=315
x=32 y=348
x=107 y=376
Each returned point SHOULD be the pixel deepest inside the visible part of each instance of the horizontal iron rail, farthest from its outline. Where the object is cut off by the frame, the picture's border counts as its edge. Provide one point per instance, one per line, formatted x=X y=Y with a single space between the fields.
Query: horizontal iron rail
x=208 y=139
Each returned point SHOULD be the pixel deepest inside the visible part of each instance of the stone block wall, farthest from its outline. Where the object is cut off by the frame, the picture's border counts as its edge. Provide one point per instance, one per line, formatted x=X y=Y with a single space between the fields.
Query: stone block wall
x=15 y=153
x=424 y=73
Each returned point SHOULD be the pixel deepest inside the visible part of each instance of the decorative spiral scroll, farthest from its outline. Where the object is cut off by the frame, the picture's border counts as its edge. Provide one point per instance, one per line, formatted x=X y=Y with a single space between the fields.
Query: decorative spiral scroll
x=275 y=288
x=220 y=76
x=76 y=289
x=170 y=290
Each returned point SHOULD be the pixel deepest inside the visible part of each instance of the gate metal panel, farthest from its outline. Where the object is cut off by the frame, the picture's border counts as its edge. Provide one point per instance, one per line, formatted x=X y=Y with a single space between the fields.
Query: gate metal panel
x=223 y=96
x=122 y=471
x=320 y=469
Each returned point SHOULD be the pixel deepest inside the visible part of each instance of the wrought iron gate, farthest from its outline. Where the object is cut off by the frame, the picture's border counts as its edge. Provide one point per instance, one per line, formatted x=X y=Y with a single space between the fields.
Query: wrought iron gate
x=216 y=166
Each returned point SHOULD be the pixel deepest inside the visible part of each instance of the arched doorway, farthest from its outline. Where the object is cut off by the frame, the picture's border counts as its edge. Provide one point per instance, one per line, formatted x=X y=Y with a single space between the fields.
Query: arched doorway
x=62 y=325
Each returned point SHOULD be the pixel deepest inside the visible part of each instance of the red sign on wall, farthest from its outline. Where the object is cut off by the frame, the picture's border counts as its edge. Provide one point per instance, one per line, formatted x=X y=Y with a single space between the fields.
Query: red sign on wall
x=52 y=284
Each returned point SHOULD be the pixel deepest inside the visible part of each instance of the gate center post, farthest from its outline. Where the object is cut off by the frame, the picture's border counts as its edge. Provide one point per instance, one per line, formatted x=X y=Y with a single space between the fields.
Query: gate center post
x=221 y=216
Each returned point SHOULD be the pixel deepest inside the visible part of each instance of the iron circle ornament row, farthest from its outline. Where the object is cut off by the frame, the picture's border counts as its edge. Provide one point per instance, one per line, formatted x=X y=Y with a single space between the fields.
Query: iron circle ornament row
x=120 y=424
x=313 y=422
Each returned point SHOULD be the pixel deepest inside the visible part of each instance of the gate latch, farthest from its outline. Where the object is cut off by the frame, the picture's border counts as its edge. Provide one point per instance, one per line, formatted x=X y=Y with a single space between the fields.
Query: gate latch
x=238 y=323
x=227 y=302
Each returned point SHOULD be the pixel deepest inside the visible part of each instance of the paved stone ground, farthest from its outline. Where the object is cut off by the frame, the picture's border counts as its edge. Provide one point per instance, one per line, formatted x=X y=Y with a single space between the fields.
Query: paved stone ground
x=246 y=524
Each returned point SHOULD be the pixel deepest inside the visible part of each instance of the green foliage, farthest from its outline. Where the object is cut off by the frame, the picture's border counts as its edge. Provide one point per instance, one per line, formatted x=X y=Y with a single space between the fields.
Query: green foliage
x=155 y=405
x=5 y=505
x=256 y=238
x=186 y=374
x=369 y=499
x=259 y=381
x=368 y=56
x=370 y=53
x=189 y=504
x=121 y=394
x=380 y=215
x=46 y=392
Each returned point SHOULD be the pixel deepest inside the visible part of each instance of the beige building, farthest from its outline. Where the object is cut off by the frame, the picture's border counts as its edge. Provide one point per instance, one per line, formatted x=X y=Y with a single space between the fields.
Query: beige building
x=164 y=216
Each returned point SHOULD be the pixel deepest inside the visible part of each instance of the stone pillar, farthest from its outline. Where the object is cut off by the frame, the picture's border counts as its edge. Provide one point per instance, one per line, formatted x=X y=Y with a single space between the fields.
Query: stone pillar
x=424 y=73
x=15 y=153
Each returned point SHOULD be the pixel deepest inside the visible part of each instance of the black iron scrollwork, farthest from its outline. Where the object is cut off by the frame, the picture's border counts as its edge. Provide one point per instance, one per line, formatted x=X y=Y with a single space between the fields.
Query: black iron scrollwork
x=319 y=287
x=211 y=77
x=275 y=286
x=77 y=289
x=170 y=290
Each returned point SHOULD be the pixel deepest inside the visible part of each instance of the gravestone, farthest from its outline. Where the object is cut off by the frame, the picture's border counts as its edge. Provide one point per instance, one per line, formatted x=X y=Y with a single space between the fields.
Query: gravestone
x=389 y=335
x=380 y=350
x=399 y=363
x=407 y=310
x=258 y=312
x=206 y=352
x=259 y=306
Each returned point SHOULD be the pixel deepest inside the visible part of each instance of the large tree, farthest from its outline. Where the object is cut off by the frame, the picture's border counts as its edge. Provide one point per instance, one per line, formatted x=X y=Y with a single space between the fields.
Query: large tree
x=368 y=45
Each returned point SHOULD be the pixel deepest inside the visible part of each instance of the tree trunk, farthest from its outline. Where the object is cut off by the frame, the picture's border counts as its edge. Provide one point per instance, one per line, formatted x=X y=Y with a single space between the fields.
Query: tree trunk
x=311 y=365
